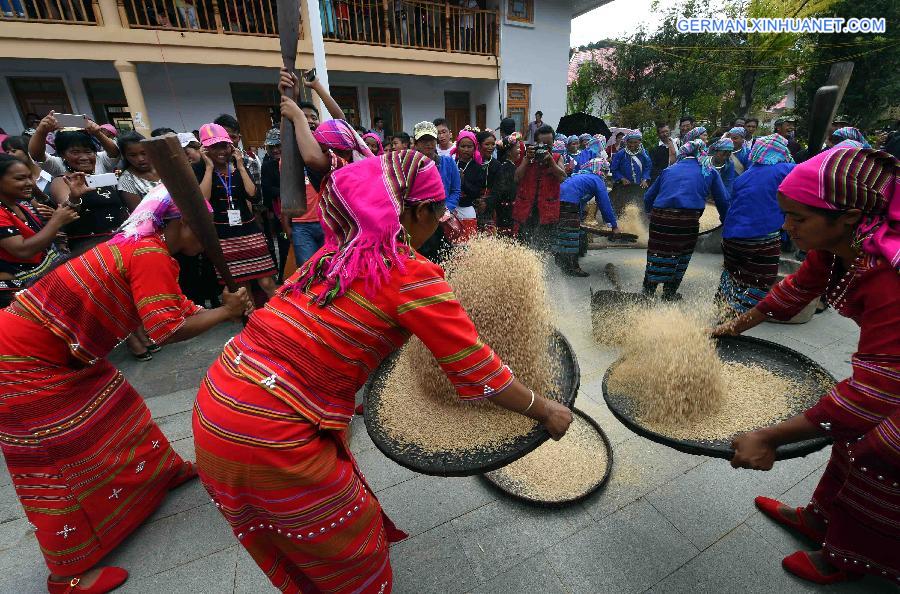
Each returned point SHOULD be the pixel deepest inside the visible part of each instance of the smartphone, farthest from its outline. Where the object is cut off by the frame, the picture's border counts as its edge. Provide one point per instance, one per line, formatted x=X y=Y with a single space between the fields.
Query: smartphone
x=310 y=75
x=71 y=120
x=101 y=180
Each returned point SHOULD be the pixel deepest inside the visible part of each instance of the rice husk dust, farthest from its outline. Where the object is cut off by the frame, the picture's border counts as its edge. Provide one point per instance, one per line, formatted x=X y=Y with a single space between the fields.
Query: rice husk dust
x=710 y=218
x=558 y=470
x=634 y=221
x=500 y=283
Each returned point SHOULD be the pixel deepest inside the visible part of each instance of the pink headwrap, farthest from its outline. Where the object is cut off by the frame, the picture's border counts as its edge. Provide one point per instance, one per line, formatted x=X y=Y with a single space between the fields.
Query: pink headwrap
x=2 y=138
x=338 y=134
x=360 y=209
x=110 y=128
x=471 y=136
x=149 y=217
x=844 y=178
x=374 y=137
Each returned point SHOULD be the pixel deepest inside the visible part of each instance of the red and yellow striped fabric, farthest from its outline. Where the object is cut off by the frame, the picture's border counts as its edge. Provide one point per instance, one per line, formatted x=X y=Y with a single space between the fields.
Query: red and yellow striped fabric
x=269 y=415
x=95 y=301
x=87 y=461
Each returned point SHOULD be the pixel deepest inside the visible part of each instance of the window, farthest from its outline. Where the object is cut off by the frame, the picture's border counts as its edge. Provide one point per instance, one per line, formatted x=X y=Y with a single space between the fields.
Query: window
x=517 y=104
x=521 y=10
x=39 y=95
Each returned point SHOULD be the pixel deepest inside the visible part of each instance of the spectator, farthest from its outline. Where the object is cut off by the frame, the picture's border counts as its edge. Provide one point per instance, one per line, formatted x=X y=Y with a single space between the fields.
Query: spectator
x=400 y=141
x=162 y=131
x=426 y=135
x=787 y=127
x=271 y=191
x=484 y=204
x=26 y=242
x=226 y=184
x=444 y=138
x=378 y=129
x=252 y=162
x=374 y=143
x=684 y=125
x=467 y=25
x=17 y=146
x=469 y=162
x=533 y=127
x=191 y=146
x=664 y=153
x=139 y=176
x=102 y=209
x=539 y=175
x=503 y=192
x=750 y=125
x=615 y=145
x=106 y=161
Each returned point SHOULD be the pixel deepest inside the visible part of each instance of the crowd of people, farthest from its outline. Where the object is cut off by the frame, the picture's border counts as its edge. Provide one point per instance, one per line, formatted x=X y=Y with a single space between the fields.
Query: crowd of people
x=88 y=249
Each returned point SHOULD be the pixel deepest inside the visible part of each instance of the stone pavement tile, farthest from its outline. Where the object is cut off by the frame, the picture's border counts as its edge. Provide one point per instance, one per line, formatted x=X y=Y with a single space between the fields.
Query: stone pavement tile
x=10 y=508
x=424 y=502
x=188 y=496
x=432 y=563
x=214 y=573
x=177 y=426
x=628 y=551
x=532 y=576
x=185 y=448
x=359 y=437
x=785 y=338
x=639 y=466
x=249 y=578
x=4 y=472
x=167 y=543
x=380 y=471
x=813 y=334
x=741 y=562
x=505 y=532
x=15 y=533
x=171 y=404
x=22 y=568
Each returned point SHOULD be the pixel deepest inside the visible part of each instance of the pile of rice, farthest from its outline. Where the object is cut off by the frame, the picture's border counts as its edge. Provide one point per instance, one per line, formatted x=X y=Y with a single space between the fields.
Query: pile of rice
x=558 y=470
x=710 y=218
x=501 y=285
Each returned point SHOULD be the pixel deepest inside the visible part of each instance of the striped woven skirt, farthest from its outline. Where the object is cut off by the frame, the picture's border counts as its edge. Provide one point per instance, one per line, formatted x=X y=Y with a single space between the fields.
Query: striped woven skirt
x=248 y=257
x=293 y=494
x=673 y=236
x=86 y=460
x=750 y=270
x=569 y=229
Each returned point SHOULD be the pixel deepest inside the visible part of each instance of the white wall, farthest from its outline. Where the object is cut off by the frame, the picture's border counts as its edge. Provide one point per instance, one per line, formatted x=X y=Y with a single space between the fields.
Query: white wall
x=538 y=55
x=421 y=97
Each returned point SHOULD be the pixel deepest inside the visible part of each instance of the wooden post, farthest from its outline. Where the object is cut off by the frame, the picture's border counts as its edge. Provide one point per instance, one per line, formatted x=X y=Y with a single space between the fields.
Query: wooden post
x=387 y=19
x=447 y=24
x=217 y=18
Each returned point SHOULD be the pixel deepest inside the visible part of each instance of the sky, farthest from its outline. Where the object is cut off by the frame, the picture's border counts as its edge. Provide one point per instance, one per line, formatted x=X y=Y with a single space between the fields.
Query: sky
x=614 y=20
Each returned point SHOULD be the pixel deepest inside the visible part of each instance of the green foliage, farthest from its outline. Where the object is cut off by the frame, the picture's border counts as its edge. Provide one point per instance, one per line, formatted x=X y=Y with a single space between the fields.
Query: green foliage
x=583 y=90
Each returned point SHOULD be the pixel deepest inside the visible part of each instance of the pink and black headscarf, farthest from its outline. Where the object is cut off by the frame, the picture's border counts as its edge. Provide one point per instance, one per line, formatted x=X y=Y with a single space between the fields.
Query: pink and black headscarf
x=338 y=134
x=377 y=140
x=845 y=178
x=471 y=136
x=360 y=210
x=150 y=217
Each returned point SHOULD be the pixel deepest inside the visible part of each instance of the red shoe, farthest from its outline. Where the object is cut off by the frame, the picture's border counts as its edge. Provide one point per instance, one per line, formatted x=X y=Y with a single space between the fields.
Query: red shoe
x=770 y=507
x=360 y=409
x=802 y=566
x=185 y=473
x=109 y=579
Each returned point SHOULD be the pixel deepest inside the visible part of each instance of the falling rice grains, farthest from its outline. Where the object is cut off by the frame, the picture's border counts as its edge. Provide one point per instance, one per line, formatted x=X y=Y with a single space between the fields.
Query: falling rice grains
x=558 y=470
x=709 y=220
x=501 y=285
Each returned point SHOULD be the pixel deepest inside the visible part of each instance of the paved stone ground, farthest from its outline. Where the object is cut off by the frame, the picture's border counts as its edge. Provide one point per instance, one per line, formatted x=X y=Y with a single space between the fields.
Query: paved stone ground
x=666 y=522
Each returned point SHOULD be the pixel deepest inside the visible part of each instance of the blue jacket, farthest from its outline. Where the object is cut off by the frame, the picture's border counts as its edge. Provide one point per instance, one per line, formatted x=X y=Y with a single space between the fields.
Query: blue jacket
x=753 y=210
x=450 y=176
x=728 y=175
x=579 y=189
x=743 y=155
x=623 y=167
x=683 y=185
x=582 y=158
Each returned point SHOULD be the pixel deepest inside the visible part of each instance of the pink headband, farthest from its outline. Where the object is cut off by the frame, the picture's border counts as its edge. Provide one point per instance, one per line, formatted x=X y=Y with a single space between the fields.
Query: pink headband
x=471 y=136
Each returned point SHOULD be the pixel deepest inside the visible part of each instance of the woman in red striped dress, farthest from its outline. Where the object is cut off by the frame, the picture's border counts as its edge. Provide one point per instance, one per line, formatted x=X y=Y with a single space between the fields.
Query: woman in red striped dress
x=844 y=207
x=88 y=463
x=270 y=418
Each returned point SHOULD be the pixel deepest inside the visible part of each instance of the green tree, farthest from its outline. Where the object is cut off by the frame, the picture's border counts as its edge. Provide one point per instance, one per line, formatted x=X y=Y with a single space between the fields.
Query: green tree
x=584 y=89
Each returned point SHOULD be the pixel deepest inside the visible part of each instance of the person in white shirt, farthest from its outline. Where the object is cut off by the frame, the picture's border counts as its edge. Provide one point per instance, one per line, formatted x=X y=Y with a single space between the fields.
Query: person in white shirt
x=445 y=142
x=107 y=159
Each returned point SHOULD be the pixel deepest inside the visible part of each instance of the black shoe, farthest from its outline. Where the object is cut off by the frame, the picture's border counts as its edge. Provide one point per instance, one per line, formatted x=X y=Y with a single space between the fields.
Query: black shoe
x=153 y=347
x=577 y=272
x=142 y=357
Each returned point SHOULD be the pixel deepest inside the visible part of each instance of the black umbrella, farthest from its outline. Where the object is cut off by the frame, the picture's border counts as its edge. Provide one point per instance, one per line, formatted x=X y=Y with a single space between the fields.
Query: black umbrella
x=582 y=123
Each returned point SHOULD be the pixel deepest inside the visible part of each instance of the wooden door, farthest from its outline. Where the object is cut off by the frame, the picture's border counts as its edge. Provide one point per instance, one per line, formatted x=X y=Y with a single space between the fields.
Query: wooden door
x=481 y=116
x=348 y=100
x=40 y=95
x=457 y=118
x=255 y=121
x=518 y=98
x=385 y=103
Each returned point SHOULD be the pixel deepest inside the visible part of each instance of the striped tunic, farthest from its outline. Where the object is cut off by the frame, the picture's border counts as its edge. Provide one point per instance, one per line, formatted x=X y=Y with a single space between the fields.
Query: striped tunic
x=87 y=462
x=269 y=415
x=859 y=493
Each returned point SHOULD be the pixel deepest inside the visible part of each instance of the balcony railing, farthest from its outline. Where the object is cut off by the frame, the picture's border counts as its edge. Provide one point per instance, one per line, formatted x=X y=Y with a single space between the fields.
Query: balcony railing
x=232 y=17
x=417 y=24
x=73 y=12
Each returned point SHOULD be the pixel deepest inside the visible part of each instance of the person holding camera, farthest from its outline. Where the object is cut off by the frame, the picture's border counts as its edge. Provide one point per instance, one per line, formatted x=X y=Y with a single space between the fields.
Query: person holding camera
x=105 y=161
x=539 y=175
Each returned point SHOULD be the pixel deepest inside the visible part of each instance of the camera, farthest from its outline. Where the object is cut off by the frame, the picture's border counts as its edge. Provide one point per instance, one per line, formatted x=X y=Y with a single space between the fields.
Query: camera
x=541 y=152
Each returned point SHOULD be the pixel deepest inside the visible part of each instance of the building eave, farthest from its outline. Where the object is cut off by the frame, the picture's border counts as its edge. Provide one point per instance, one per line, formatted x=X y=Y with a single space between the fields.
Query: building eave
x=579 y=7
